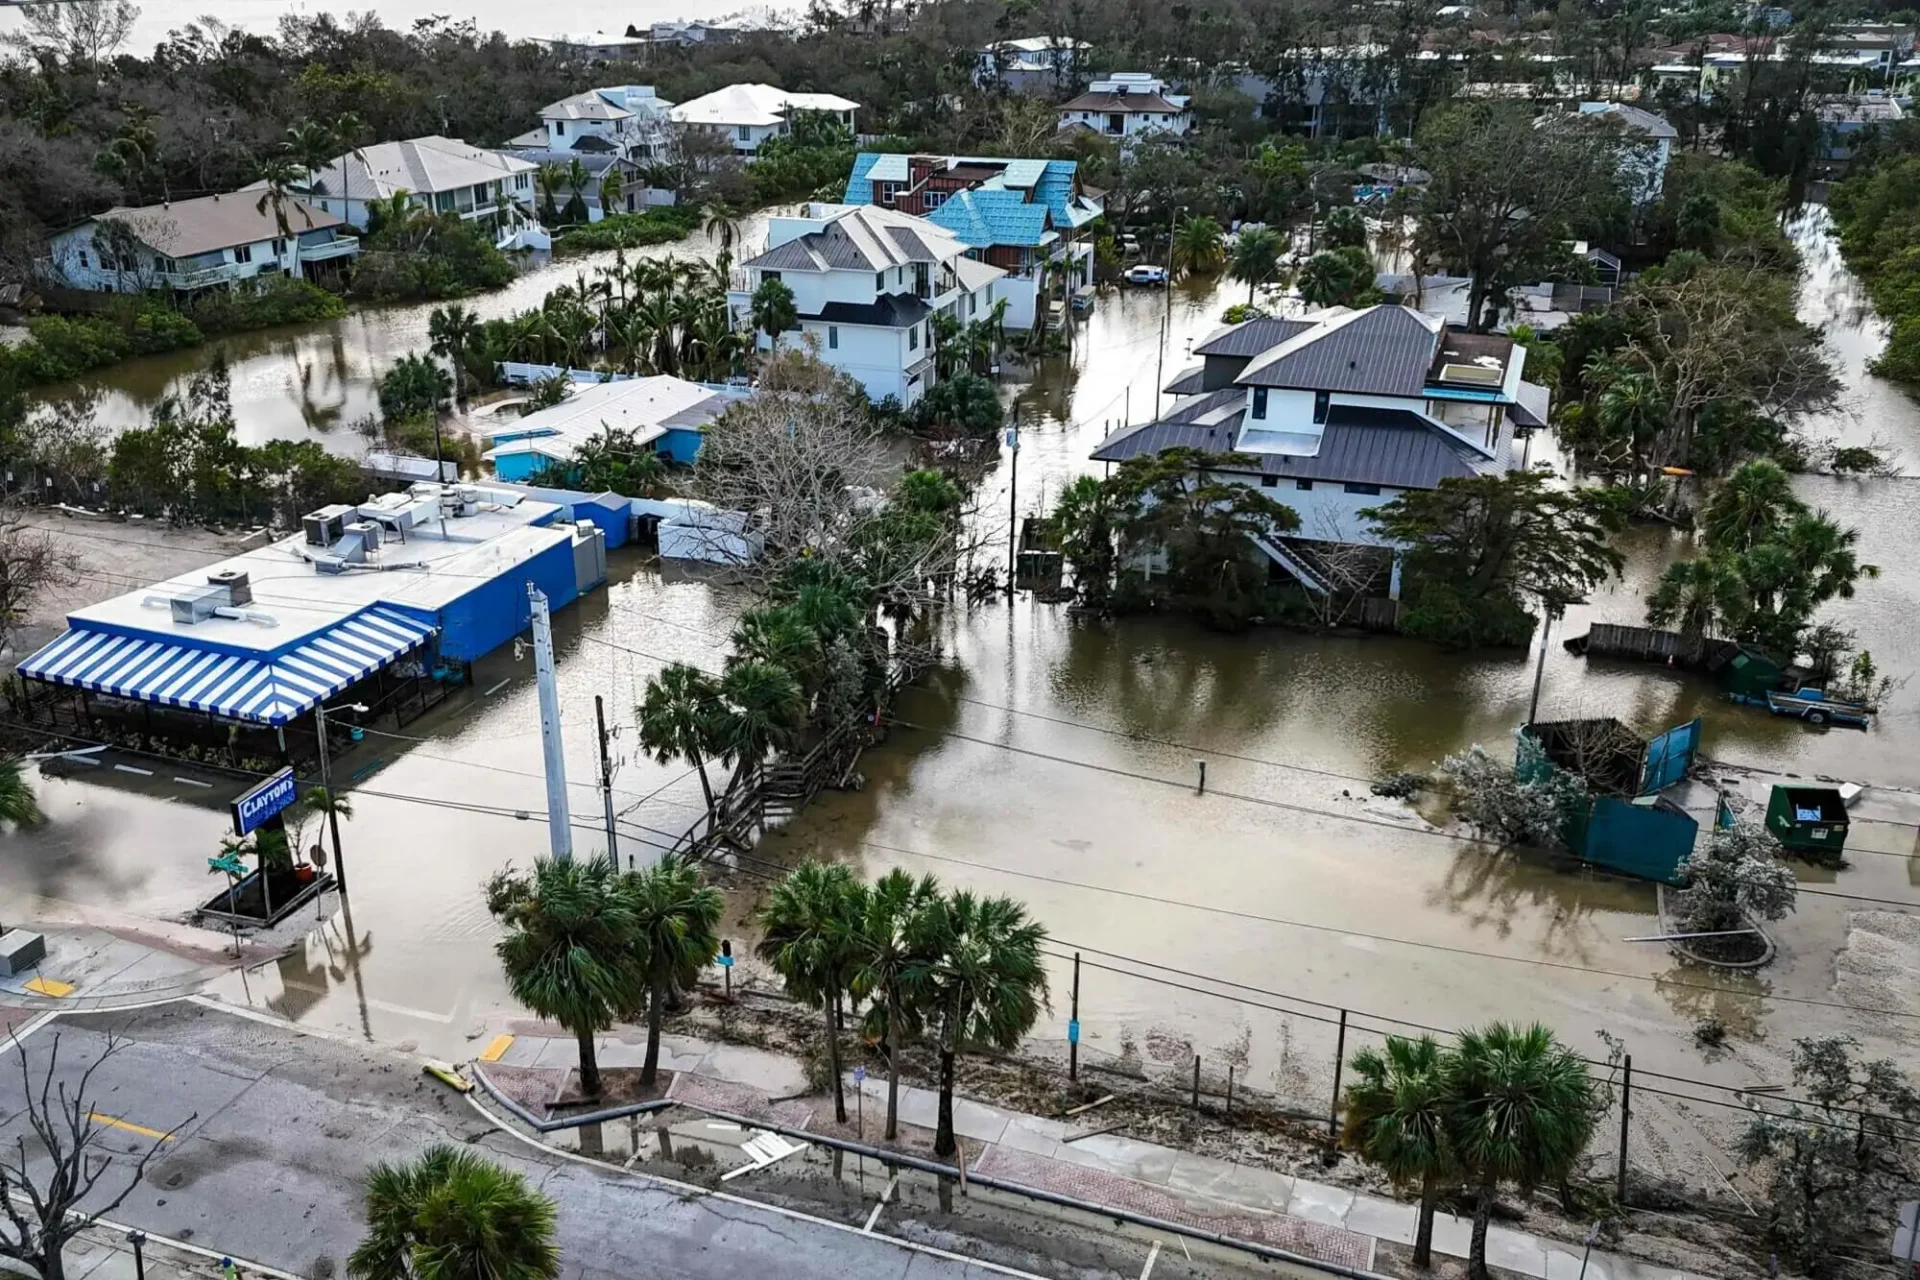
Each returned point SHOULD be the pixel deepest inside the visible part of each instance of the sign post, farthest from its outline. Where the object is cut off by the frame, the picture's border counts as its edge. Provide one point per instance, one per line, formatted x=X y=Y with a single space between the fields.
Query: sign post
x=725 y=961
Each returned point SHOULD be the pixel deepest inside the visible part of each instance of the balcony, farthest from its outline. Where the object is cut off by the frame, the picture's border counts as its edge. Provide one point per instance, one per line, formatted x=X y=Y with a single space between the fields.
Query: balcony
x=325 y=250
x=206 y=277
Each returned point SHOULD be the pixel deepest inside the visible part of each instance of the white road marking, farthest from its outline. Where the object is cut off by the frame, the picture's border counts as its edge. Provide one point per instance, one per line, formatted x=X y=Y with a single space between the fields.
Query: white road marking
x=192 y=782
x=127 y=768
x=1152 y=1255
x=885 y=1196
x=444 y=1019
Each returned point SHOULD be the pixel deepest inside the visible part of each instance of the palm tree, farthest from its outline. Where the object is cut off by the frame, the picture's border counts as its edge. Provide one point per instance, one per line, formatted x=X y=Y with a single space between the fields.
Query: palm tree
x=1825 y=557
x=451 y=1215
x=453 y=329
x=1396 y=1118
x=312 y=145
x=761 y=710
x=1199 y=247
x=976 y=981
x=1749 y=506
x=332 y=806
x=1335 y=278
x=17 y=806
x=1700 y=598
x=719 y=225
x=676 y=931
x=397 y=221
x=1520 y=1111
x=774 y=311
x=577 y=179
x=1632 y=413
x=612 y=187
x=550 y=178
x=808 y=929
x=570 y=951
x=278 y=173
x=1256 y=258
x=778 y=638
x=1086 y=519
x=884 y=955
x=676 y=717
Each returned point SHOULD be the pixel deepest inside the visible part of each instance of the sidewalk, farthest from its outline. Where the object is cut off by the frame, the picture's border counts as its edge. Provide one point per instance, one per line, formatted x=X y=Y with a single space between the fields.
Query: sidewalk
x=91 y=968
x=1311 y=1218
x=103 y=1253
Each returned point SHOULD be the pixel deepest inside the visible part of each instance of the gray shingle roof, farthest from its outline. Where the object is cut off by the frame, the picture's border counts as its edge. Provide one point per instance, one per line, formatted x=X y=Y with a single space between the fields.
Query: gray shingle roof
x=890 y=310
x=186 y=227
x=1383 y=351
x=1250 y=337
x=1393 y=448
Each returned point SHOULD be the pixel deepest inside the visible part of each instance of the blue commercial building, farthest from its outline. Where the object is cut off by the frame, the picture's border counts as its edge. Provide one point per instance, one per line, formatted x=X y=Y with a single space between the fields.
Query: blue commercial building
x=381 y=604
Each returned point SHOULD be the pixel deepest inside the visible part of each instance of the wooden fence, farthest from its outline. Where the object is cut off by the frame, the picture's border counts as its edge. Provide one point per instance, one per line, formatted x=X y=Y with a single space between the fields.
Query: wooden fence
x=1643 y=644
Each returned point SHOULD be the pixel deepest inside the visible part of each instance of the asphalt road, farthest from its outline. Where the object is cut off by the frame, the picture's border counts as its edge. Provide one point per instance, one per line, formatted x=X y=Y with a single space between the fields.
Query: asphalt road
x=274 y=1132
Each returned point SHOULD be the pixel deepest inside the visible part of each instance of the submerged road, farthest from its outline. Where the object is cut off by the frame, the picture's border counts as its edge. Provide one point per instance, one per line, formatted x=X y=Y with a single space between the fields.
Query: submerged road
x=275 y=1131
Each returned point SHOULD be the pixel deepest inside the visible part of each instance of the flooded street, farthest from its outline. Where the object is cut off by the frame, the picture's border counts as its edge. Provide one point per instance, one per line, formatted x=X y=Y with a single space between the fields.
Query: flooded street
x=314 y=381
x=1054 y=760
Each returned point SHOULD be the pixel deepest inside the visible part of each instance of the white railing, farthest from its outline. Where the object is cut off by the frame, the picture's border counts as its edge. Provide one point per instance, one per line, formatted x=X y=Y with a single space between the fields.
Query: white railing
x=336 y=248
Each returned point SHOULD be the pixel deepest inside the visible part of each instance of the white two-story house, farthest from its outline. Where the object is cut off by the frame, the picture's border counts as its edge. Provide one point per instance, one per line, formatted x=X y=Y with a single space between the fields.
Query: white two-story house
x=866 y=283
x=748 y=115
x=1031 y=64
x=1340 y=410
x=1128 y=106
x=439 y=175
x=627 y=120
x=187 y=245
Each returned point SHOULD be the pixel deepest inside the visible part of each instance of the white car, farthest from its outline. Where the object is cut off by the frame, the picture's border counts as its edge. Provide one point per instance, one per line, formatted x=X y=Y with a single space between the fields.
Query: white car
x=1145 y=274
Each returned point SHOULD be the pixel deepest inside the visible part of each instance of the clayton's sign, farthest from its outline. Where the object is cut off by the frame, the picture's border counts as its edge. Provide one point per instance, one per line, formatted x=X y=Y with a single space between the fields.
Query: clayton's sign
x=252 y=810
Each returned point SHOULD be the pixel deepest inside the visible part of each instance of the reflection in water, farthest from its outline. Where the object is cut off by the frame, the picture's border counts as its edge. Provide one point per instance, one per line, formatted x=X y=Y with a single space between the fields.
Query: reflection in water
x=1493 y=888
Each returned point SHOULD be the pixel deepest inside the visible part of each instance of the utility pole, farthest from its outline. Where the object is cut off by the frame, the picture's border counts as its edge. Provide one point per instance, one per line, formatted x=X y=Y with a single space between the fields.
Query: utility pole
x=1013 y=498
x=1540 y=669
x=326 y=785
x=1166 y=318
x=559 y=819
x=606 y=778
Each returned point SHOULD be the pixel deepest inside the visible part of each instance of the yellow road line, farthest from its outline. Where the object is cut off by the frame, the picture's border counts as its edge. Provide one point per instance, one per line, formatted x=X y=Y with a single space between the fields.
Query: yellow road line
x=494 y=1051
x=49 y=987
x=130 y=1127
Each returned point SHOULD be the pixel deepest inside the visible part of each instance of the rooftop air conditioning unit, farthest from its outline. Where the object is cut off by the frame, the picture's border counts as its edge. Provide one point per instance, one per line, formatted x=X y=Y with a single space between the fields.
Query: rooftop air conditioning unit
x=324 y=527
x=196 y=604
x=236 y=584
x=369 y=533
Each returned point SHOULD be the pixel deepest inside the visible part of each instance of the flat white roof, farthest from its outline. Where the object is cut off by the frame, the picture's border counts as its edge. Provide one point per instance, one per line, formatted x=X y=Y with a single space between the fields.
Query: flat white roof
x=644 y=406
x=294 y=599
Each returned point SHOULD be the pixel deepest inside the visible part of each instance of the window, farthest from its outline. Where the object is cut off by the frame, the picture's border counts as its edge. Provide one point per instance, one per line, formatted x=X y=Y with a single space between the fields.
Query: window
x=1303 y=484
x=559 y=128
x=769 y=275
x=83 y=259
x=744 y=133
x=833 y=337
x=1322 y=401
x=1259 y=402
x=520 y=181
x=879 y=282
x=480 y=194
x=1269 y=482
x=445 y=201
x=1365 y=490
x=243 y=253
x=913 y=338
x=279 y=247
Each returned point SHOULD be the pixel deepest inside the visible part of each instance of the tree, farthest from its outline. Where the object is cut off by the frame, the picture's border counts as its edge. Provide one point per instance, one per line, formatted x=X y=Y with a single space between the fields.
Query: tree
x=1182 y=503
x=81 y=33
x=885 y=951
x=612 y=188
x=18 y=807
x=1346 y=228
x=1749 y=507
x=1086 y=520
x=1521 y=1112
x=676 y=715
x=577 y=179
x=278 y=173
x=550 y=179
x=966 y=402
x=978 y=981
x=1478 y=549
x=1508 y=191
x=1256 y=258
x=1495 y=800
x=570 y=951
x=1337 y=278
x=1834 y=1159
x=454 y=331
x=452 y=1215
x=414 y=387
x=774 y=311
x=31 y=564
x=1737 y=877
x=42 y=1193
x=1396 y=1117
x=1702 y=599
x=808 y=932
x=762 y=708
x=675 y=935
x=1199 y=247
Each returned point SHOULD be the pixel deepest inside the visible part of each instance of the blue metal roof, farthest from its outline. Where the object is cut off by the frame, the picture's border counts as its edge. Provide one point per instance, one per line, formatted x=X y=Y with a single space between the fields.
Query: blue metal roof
x=999 y=211
x=263 y=690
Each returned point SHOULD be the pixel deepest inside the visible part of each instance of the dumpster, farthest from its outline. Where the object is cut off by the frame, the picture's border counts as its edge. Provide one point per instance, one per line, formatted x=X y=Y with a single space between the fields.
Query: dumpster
x=1810 y=819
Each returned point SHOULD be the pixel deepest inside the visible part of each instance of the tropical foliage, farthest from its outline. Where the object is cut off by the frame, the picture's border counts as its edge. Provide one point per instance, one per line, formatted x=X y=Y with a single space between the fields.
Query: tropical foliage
x=1396 y=1114
x=18 y=808
x=450 y=1214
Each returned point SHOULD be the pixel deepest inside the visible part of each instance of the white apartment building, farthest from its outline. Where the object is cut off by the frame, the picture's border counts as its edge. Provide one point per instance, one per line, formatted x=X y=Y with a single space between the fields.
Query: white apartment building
x=867 y=283
x=197 y=244
x=747 y=115
x=1128 y=105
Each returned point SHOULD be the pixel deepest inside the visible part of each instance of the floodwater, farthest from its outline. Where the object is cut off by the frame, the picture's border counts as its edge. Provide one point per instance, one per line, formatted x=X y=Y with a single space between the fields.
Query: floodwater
x=315 y=381
x=1055 y=760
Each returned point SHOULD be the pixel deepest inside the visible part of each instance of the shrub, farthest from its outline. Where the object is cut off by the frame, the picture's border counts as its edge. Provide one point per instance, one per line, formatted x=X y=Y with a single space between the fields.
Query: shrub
x=59 y=348
x=1488 y=796
x=661 y=225
x=274 y=300
x=1737 y=876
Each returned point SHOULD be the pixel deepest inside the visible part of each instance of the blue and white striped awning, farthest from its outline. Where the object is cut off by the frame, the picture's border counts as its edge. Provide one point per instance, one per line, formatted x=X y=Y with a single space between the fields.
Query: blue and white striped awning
x=266 y=691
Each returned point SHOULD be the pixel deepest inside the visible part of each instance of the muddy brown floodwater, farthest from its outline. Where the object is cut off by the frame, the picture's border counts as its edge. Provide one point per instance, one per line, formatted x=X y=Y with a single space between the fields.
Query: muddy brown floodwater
x=1054 y=760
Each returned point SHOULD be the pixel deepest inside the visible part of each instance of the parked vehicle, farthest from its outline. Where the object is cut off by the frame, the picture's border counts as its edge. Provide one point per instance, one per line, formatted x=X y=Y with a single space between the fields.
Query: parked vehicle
x=1146 y=274
x=1083 y=298
x=1810 y=705
x=1130 y=245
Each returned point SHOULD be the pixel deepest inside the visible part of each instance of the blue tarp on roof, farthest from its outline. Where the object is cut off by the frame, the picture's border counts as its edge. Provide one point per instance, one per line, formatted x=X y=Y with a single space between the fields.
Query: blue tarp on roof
x=264 y=690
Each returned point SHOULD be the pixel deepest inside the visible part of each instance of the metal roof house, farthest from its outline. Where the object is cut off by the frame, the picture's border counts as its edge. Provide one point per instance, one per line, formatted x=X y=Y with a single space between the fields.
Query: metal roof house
x=664 y=415
x=627 y=120
x=750 y=114
x=367 y=602
x=1338 y=410
x=197 y=244
x=866 y=282
x=1017 y=215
